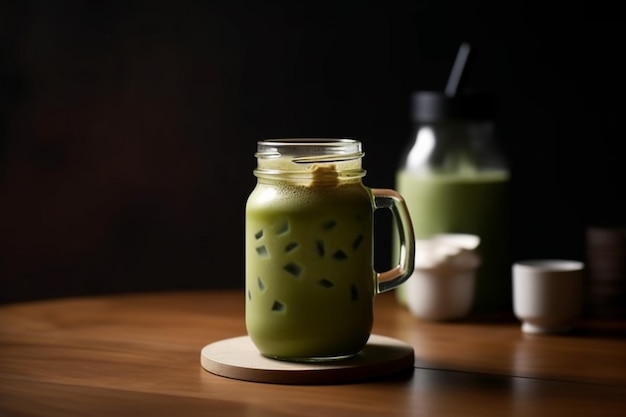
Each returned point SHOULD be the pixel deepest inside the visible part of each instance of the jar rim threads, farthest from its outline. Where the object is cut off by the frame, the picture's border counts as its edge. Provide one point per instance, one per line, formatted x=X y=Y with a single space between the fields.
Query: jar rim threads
x=310 y=150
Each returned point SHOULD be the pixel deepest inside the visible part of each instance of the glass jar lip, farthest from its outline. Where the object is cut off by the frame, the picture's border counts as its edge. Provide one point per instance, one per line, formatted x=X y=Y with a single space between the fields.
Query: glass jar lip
x=306 y=150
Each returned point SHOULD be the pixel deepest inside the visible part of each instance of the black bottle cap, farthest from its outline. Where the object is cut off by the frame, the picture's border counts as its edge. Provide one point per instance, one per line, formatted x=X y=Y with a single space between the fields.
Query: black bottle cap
x=435 y=106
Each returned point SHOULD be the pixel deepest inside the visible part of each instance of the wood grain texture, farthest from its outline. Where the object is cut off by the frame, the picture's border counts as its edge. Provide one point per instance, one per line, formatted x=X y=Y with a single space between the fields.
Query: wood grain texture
x=139 y=354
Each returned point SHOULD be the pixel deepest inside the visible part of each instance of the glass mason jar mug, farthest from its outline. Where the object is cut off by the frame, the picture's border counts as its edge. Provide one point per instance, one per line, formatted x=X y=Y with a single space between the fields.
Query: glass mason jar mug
x=310 y=279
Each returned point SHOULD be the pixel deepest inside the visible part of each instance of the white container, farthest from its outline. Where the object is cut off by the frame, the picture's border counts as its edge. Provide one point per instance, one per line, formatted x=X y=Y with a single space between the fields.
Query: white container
x=443 y=283
x=548 y=294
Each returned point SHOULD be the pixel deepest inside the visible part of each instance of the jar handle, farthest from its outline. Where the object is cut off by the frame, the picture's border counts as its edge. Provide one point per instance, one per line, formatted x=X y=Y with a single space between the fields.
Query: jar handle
x=390 y=199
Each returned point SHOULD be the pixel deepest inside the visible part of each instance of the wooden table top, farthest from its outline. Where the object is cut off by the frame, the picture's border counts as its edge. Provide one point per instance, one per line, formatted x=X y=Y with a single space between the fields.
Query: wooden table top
x=139 y=354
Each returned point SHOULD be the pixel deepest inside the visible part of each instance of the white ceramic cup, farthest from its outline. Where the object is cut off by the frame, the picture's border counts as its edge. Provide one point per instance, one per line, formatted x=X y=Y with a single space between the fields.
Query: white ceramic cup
x=548 y=294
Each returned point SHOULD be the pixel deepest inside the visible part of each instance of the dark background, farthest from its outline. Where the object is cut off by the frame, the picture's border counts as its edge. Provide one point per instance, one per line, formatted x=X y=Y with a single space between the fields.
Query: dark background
x=128 y=128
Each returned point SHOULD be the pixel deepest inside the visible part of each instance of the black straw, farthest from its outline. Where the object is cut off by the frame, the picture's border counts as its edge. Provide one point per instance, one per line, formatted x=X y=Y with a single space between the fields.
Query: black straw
x=457 y=70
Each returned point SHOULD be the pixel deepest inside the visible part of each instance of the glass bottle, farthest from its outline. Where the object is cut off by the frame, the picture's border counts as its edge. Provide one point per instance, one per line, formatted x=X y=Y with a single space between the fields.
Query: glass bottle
x=454 y=179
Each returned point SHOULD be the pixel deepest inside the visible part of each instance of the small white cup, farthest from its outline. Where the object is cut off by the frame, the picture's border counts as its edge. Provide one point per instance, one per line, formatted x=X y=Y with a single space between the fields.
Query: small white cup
x=547 y=294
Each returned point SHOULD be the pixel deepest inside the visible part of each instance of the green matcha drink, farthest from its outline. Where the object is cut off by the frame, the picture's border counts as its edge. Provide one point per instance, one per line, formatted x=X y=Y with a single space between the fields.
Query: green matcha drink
x=309 y=276
x=465 y=203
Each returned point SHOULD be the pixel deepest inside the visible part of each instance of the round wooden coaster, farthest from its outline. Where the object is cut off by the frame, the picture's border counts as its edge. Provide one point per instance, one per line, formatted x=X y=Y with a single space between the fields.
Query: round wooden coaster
x=238 y=358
